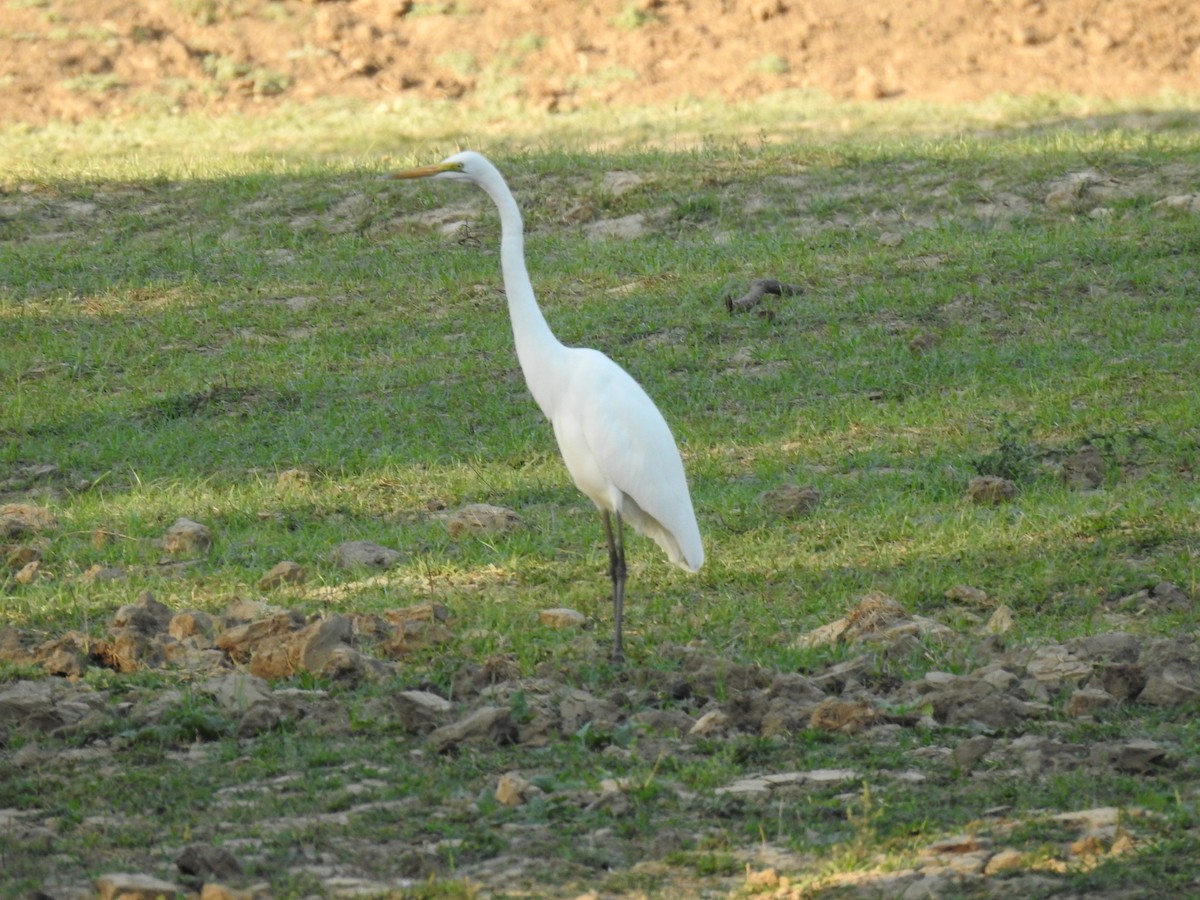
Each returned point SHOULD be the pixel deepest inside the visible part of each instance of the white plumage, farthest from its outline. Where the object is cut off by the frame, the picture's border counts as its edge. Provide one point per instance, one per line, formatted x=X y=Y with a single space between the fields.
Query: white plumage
x=615 y=443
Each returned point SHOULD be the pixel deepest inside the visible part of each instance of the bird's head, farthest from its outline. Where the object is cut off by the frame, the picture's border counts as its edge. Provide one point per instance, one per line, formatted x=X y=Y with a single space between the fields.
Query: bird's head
x=465 y=166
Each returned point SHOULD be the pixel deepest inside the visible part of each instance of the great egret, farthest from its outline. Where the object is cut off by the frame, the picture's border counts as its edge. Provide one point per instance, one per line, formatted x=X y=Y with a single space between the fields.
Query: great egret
x=616 y=444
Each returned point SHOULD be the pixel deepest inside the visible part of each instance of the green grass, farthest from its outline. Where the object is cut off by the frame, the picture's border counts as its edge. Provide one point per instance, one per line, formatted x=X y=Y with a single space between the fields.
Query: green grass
x=177 y=329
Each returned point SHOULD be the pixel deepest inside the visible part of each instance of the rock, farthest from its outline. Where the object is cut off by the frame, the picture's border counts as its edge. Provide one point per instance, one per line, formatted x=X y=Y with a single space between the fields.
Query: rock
x=1084 y=470
x=292 y=478
x=579 y=708
x=13 y=649
x=128 y=886
x=28 y=573
x=22 y=555
x=1140 y=757
x=712 y=722
x=282 y=653
x=17 y=519
x=413 y=628
x=355 y=554
x=969 y=702
x=625 y=228
x=213 y=890
x=764 y=784
x=286 y=572
x=513 y=790
x=421 y=711
x=315 y=642
x=1085 y=701
x=1055 y=664
x=923 y=342
x=790 y=501
x=876 y=617
x=69 y=655
x=1171 y=596
x=186 y=537
x=663 y=721
x=237 y=692
x=147 y=616
x=130 y=650
x=242 y=641
x=1114 y=646
x=1003 y=861
x=990 y=490
x=1001 y=621
x=1188 y=203
x=1172 y=668
x=101 y=573
x=207 y=862
x=241 y=612
x=1122 y=681
x=193 y=625
x=970 y=751
x=966 y=594
x=488 y=724
x=845 y=716
x=621 y=182
x=482 y=518
x=561 y=618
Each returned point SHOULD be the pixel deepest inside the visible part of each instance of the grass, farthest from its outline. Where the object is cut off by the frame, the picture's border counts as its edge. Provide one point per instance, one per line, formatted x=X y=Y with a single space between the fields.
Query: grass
x=179 y=328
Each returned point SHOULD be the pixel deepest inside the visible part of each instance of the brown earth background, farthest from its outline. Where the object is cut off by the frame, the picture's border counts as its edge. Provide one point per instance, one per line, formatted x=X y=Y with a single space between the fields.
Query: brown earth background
x=74 y=59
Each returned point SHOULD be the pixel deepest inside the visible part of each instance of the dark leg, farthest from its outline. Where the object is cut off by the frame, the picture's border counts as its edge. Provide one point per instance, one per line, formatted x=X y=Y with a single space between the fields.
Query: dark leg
x=616 y=571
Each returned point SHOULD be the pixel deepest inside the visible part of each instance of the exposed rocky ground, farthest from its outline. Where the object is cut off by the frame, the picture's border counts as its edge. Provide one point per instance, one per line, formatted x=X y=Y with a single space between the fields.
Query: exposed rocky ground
x=246 y=659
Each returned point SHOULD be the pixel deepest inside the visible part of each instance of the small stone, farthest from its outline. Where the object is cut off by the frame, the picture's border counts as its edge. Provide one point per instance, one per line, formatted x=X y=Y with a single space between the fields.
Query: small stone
x=207 y=862
x=626 y=227
x=967 y=594
x=101 y=573
x=488 y=724
x=1003 y=861
x=1001 y=621
x=1170 y=595
x=1140 y=757
x=1085 y=469
x=130 y=886
x=147 y=615
x=711 y=722
x=292 y=478
x=511 y=789
x=19 y=518
x=186 y=536
x=970 y=751
x=353 y=554
x=482 y=518
x=990 y=490
x=21 y=556
x=192 y=623
x=791 y=500
x=286 y=572
x=1188 y=203
x=762 y=879
x=1086 y=701
x=1055 y=663
x=561 y=618
x=923 y=341
x=28 y=573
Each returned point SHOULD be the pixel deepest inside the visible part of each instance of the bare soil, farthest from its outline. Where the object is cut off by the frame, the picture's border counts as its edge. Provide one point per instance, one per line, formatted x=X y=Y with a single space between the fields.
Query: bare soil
x=73 y=59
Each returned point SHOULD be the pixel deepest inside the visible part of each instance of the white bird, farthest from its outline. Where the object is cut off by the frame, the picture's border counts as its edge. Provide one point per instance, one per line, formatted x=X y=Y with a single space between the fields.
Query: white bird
x=615 y=443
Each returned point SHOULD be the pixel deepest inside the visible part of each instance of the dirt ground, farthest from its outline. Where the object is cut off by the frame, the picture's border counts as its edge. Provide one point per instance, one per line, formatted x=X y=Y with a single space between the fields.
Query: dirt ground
x=73 y=59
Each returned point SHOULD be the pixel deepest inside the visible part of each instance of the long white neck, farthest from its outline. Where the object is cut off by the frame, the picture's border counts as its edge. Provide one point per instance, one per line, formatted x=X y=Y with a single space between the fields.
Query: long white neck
x=538 y=350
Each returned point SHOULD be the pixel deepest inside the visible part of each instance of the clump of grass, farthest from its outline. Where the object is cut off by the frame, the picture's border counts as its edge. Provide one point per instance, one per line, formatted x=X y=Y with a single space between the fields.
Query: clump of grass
x=1014 y=456
x=634 y=15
